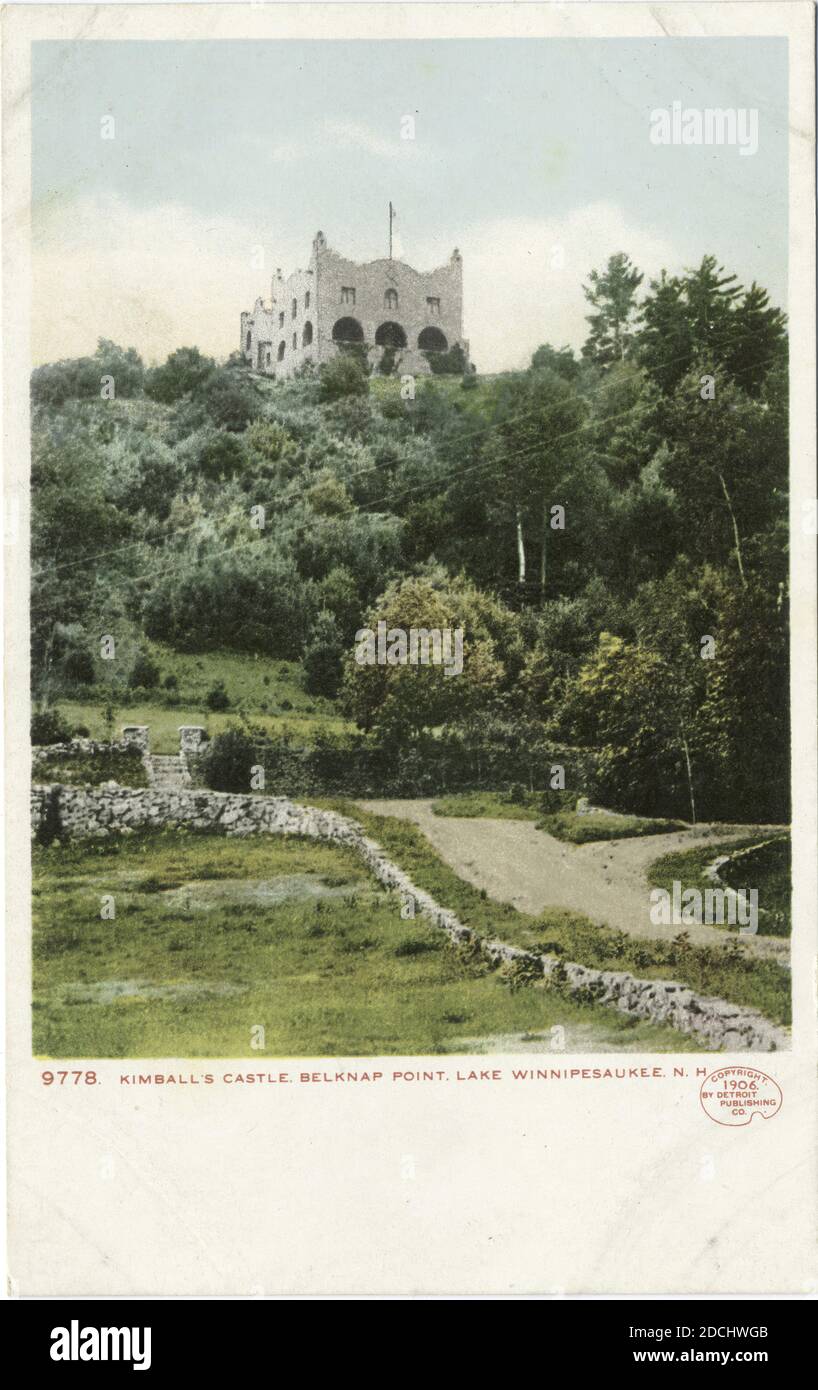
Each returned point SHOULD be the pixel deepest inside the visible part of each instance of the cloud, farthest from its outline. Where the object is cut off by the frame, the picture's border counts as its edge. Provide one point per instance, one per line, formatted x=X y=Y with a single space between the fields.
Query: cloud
x=523 y=277
x=167 y=277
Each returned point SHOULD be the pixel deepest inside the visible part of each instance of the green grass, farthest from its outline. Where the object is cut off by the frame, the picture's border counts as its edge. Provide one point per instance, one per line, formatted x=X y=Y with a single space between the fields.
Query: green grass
x=495 y=805
x=727 y=970
x=258 y=688
x=91 y=769
x=582 y=830
x=767 y=868
x=214 y=936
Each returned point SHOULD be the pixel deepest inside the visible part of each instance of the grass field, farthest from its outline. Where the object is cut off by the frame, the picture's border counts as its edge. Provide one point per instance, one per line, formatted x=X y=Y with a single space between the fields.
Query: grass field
x=495 y=805
x=213 y=937
x=768 y=870
x=582 y=830
x=269 y=692
x=565 y=824
x=725 y=970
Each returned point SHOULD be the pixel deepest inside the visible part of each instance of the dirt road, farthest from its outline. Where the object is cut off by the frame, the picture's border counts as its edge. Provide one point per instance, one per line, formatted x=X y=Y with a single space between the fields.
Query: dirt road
x=606 y=881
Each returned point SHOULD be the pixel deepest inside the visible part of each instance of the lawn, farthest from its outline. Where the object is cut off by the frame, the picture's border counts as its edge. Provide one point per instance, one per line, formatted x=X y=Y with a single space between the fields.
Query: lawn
x=763 y=864
x=726 y=970
x=582 y=830
x=565 y=823
x=269 y=692
x=214 y=937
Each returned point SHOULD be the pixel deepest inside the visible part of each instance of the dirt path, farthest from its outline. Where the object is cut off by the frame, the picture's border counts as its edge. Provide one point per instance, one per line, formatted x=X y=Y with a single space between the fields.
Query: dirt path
x=606 y=881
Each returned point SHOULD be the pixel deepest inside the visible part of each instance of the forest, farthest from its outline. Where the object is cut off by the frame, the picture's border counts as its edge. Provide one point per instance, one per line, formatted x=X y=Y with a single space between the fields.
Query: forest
x=608 y=527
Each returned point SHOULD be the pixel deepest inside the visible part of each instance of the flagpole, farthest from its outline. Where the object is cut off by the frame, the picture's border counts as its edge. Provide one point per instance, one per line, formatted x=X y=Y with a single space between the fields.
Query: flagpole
x=390 y=230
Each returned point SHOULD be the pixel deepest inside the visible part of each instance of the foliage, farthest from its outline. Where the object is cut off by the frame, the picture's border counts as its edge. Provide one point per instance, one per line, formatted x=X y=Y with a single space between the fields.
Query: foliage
x=343 y=376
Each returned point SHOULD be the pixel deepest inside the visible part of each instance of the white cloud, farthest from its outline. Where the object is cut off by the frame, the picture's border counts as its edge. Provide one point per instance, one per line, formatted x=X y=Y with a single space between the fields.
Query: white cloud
x=523 y=277
x=167 y=277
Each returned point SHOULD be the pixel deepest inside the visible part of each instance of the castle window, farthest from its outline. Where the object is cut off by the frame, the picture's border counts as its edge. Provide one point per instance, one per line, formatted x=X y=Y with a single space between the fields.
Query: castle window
x=295 y=341
x=306 y=300
x=295 y=307
x=432 y=340
x=347 y=331
x=433 y=306
x=269 y=357
x=249 y=340
x=390 y=299
x=347 y=294
x=390 y=335
x=282 y=348
x=306 y=336
x=281 y=319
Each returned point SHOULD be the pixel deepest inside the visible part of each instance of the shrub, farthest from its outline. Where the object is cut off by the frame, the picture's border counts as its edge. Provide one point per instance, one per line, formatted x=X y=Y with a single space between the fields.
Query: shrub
x=184 y=371
x=322 y=657
x=343 y=376
x=171 y=682
x=144 y=673
x=217 y=697
x=227 y=760
x=230 y=400
x=79 y=666
x=48 y=726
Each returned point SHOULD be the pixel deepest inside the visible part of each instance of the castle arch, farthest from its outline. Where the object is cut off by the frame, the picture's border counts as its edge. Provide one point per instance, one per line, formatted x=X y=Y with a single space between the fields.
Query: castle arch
x=347 y=331
x=306 y=335
x=432 y=340
x=390 y=335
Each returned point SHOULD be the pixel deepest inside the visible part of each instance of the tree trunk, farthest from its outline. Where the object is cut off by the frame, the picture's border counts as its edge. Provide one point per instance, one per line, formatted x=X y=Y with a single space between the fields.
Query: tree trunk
x=520 y=549
x=735 y=530
x=689 y=778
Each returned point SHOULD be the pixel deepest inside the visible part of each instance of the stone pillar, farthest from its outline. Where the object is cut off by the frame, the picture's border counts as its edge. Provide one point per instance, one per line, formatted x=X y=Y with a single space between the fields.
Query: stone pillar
x=191 y=738
x=138 y=734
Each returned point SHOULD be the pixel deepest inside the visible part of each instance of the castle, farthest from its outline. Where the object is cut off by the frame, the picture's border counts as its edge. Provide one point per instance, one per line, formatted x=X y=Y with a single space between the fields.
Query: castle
x=382 y=306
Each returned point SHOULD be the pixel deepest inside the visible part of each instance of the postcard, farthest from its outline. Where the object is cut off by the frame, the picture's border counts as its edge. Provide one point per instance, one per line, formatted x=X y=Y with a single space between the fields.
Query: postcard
x=410 y=649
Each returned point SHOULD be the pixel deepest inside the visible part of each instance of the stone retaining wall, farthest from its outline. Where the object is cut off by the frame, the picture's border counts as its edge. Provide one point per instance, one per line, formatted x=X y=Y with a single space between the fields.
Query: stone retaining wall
x=61 y=812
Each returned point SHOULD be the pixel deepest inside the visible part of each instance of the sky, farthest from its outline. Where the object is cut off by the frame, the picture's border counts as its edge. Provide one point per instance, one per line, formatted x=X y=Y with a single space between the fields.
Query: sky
x=532 y=156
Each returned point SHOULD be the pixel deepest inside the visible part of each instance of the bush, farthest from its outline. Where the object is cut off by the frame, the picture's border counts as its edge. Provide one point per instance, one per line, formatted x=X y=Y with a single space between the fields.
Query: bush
x=230 y=400
x=227 y=760
x=79 y=666
x=217 y=697
x=343 y=376
x=184 y=371
x=171 y=682
x=48 y=726
x=144 y=673
x=322 y=657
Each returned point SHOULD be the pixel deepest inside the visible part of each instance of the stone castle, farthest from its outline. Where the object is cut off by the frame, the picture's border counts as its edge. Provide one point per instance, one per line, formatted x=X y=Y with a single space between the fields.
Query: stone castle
x=378 y=307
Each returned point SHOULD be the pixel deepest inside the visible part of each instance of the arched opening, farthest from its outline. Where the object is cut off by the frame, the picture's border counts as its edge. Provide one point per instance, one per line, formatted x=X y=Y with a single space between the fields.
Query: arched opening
x=432 y=340
x=282 y=348
x=390 y=299
x=306 y=336
x=390 y=335
x=347 y=331
x=248 y=341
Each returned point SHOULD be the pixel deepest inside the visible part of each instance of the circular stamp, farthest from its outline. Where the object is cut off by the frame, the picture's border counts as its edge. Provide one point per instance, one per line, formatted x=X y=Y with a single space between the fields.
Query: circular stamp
x=733 y=1095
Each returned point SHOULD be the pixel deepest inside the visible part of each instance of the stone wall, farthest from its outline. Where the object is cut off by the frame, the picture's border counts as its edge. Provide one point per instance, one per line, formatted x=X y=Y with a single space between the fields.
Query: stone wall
x=75 y=812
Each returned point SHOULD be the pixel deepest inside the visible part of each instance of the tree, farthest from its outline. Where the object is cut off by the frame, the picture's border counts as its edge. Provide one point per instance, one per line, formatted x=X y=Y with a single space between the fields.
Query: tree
x=612 y=293
x=323 y=657
x=182 y=372
x=403 y=698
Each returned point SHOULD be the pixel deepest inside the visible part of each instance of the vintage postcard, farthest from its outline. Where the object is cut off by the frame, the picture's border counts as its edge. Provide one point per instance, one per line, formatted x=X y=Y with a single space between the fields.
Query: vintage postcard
x=411 y=649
